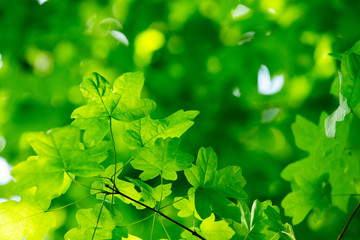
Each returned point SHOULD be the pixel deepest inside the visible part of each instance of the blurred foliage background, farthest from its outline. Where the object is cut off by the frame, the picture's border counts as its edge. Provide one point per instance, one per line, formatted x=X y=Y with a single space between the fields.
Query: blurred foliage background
x=195 y=55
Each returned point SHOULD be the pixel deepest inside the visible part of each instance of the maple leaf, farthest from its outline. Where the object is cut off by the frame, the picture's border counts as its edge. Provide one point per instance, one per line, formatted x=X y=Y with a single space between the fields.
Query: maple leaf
x=145 y=131
x=262 y=222
x=163 y=159
x=60 y=158
x=216 y=230
x=27 y=218
x=214 y=187
x=88 y=219
x=121 y=102
x=327 y=171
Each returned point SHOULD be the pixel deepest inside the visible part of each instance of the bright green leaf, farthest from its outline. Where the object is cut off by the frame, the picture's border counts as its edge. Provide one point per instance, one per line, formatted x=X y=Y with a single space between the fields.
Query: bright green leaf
x=316 y=179
x=145 y=131
x=122 y=102
x=25 y=218
x=60 y=155
x=151 y=195
x=163 y=159
x=214 y=187
x=216 y=230
x=124 y=187
x=87 y=219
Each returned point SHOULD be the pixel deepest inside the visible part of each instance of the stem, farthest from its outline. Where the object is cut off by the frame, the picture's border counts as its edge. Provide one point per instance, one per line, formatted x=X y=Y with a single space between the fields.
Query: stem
x=116 y=190
x=348 y=222
x=98 y=219
x=114 y=149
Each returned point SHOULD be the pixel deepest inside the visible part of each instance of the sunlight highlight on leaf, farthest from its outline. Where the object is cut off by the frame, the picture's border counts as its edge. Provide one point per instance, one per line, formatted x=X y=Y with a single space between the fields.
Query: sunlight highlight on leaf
x=1 y=62
x=246 y=37
x=120 y=37
x=239 y=11
x=236 y=92
x=266 y=85
x=41 y=2
x=338 y=115
x=269 y=114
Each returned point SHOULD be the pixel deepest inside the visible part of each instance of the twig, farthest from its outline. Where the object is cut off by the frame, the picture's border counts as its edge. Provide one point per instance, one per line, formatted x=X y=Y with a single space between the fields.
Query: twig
x=348 y=222
x=116 y=190
x=98 y=219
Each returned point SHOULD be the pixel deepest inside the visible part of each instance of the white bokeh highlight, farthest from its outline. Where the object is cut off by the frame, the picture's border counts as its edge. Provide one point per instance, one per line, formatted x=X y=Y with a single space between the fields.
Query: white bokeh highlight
x=268 y=85
x=120 y=37
x=239 y=11
x=5 y=169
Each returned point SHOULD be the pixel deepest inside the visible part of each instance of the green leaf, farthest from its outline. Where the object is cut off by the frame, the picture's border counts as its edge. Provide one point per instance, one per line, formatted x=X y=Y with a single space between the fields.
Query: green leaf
x=216 y=230
x=262 y=222
x=163 y=159
x=60 y=157
x=125 y=187
x=145 y=131
x=25 y=218
x=151 y=195
x=285 y=231
x=337 y=116
x=327 y=171
x=122 y=102
x=87 y=220
x=186 y=205
x=213 y=187
x=350 y=68
x=252 y=224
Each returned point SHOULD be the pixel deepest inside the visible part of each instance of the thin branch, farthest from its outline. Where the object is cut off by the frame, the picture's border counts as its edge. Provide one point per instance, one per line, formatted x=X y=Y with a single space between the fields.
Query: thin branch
x=348 y=222
x=98 y=219
x=152 y=227
x=114 y=149
x=156 y=211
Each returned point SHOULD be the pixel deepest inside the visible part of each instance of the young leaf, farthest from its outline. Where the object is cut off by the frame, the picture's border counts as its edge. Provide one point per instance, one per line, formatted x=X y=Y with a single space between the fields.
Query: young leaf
x=145 y=131
x=216 y=230
x=122 y=102
x=60 y=158
x=87 y=219
x=213 y=187
x=163 y=159
x=27 y=218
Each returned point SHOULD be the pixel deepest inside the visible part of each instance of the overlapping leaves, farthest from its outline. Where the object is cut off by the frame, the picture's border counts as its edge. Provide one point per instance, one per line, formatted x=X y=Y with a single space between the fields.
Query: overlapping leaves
x=60 y=158
x=214 y=187
x=121 y=102
x=262 y=222
x=328 y=170
x=163 y=159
